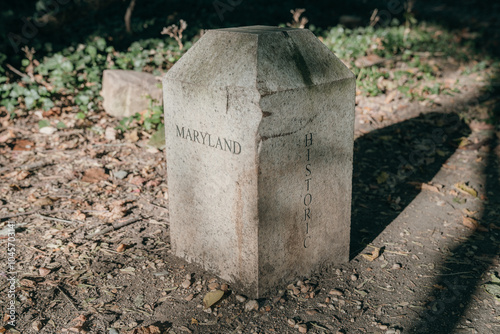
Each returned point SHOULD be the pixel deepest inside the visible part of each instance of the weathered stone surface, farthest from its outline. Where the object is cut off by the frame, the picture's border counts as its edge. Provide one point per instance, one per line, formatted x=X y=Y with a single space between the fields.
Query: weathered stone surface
x=259 y=142
x=125 y=92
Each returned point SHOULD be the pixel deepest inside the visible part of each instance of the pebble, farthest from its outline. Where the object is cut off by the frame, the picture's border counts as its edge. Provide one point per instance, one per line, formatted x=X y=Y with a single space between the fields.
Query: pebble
x=354 y=277
x=186 y=284
x=48 y=130
x=188 y=277
x=251 y=305
x=213 y=286
x=37 y=325
x=190 y=297
x=302 y=328
x=291 y=322
x=120 y=175
x=224 y=287
x=336 y=292
x=241 y=298
x=113 y=331
x=396 y=266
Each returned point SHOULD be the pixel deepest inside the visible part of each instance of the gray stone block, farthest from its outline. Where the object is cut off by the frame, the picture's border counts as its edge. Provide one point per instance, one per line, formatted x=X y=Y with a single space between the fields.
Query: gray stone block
x=259 y=125
x=125 y=92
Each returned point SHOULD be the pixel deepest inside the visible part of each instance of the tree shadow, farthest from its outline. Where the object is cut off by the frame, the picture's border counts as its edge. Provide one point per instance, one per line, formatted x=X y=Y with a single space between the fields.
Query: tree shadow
x=391 y=163
x=468 y=262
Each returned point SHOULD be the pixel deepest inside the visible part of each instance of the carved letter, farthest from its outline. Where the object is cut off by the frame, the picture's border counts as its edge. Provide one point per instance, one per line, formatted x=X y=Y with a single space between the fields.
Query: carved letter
x=179 y=133
x=309 y=139
x=308 y=199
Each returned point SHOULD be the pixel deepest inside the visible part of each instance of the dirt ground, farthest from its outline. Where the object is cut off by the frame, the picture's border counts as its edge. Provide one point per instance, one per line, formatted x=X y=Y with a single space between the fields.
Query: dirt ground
x=92 y=248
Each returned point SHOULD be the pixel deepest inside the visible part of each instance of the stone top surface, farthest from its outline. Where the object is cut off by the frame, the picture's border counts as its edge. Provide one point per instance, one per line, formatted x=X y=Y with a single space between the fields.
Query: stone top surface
x=259 y=30
x=268 y=59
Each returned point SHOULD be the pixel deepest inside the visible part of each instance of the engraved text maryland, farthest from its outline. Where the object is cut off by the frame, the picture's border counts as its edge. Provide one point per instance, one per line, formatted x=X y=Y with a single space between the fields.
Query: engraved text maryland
x=208 y=139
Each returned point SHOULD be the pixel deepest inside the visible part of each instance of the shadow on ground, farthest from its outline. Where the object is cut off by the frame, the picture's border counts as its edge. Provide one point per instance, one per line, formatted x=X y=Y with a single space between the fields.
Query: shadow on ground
x=467 y=263
x=391 y=163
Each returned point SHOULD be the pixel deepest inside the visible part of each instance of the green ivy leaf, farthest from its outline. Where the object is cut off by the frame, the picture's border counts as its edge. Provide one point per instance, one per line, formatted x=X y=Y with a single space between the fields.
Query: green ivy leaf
x=80 y=115
x=43 y=123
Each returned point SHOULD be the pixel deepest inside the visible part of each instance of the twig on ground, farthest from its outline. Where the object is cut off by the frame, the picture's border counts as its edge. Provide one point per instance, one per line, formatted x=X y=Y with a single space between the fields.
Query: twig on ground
x=16 y=71
x=17 y=215
x=59 y=219
x=115 y=227
x=67 y=297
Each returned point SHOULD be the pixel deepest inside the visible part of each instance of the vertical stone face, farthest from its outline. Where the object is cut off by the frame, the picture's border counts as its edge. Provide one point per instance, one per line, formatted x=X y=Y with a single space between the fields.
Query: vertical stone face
x=259 y=143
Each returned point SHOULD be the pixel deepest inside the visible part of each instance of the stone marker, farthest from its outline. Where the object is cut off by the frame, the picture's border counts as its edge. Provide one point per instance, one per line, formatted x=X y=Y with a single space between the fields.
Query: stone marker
x=259 y=125
x=125 y=92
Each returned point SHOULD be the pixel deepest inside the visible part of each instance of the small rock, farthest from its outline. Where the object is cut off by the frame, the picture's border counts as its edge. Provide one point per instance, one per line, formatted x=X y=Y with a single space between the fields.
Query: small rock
x=302 y=328
x=37 y=325
x=188 y=276
x=110 y=133
x=328 y=300
x=304 y=288
x=190 y=297
x=396 y=266
x=125 y=92
x=120 y=175
x=186 y=284
x=224 y=287
x=251 y=305
x=113 y=331
x=354 y=277
x=241 y=298
x=311 y=312
x=213 y=286
x=336 y=292
x=291 y=322
x=48 y=130
x=296 y=291
x=300 y=283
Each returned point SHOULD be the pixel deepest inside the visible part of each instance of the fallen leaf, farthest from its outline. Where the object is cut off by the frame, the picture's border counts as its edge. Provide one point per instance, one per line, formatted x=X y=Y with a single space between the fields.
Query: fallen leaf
x=44 y=201
x=368 y=61
x=466 y=189
x=145 y=330
x=391 y=96
x=382 y=177
x=121 y=248
x=470 y=222
x=22 y=175
x=212 y=297
x=426 y=186
x=476 y=125
x=94 y=175
x=43 y=271
x=23 y=145
x=7 y=135
x=131 y=136
x=493 y=289
x=78 y=215
x=374 y=254
x=137 y=180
